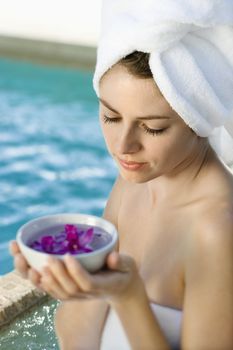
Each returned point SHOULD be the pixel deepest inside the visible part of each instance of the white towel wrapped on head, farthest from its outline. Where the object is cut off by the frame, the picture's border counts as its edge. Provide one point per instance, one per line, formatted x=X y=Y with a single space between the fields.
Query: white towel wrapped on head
x=190 y=43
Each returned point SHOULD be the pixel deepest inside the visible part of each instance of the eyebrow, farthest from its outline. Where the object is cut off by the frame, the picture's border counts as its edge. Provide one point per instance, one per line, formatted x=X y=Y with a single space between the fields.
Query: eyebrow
x=148 y=117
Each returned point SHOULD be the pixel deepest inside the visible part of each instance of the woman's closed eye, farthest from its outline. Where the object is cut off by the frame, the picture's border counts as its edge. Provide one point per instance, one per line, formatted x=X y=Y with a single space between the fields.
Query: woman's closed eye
x=145 y=128
x=110 y=120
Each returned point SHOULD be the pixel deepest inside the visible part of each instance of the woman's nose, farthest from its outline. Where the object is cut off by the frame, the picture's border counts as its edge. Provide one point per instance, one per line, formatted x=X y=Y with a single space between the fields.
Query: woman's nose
x=128 y=142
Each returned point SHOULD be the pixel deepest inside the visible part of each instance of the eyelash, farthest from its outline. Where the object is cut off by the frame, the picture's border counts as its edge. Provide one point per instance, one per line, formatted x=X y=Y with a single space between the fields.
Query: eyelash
x=146 y=129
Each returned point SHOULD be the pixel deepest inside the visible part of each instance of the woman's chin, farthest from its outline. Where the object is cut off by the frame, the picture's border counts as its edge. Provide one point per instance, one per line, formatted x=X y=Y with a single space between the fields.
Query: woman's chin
x=137 y=177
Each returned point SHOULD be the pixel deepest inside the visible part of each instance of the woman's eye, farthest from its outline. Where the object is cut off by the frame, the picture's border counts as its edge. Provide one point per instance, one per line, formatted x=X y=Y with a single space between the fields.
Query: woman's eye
x=153 y=131
x=109 y=120
x=145 y=128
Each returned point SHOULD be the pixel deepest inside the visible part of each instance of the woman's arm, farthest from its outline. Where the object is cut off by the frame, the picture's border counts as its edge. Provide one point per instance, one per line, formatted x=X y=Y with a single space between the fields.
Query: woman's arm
x=138 y=320
x=79 y=323
x=208 y=302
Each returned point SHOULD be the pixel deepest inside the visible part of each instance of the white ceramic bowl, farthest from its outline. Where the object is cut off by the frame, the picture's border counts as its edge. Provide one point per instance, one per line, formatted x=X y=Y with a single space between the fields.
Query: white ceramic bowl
x=92 y=261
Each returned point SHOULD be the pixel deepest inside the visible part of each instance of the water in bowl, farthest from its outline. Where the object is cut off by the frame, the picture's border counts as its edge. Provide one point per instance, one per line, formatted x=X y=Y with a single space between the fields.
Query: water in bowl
x=100 y=238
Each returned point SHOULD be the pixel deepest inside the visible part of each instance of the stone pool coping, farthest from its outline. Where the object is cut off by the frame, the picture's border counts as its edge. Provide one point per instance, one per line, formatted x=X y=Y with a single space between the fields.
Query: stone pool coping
x=48 y=52
x=16 y=296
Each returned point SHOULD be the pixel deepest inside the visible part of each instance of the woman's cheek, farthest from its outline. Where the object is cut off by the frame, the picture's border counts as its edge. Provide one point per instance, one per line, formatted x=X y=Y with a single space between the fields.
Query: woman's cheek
x=110 y=136
x=109 y=141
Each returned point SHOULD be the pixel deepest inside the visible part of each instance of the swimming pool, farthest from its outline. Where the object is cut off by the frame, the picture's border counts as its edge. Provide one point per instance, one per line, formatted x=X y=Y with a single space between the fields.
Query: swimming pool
x=52 y=154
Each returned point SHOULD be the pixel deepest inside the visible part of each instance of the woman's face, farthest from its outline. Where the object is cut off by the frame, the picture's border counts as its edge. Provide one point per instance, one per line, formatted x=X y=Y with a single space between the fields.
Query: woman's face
x=139 y=126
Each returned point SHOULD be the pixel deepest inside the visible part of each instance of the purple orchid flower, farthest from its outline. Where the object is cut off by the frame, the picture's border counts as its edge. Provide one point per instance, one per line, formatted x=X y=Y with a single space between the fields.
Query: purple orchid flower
x=68 y=241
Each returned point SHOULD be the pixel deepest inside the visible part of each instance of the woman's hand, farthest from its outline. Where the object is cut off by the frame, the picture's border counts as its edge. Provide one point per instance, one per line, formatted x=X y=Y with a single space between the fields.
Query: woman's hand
x=22 y=266
x=69 y=280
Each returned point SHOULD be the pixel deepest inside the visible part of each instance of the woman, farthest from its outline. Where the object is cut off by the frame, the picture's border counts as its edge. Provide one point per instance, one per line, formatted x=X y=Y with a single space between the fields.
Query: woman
x=170 y=283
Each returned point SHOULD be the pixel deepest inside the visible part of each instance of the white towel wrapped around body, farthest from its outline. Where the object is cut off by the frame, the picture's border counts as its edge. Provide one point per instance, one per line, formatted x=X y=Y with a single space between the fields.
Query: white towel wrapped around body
x=190 y=43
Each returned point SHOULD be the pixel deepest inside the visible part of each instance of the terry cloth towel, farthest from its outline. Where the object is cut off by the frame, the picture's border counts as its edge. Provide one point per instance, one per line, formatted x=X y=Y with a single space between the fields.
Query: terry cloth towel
x=190 y=43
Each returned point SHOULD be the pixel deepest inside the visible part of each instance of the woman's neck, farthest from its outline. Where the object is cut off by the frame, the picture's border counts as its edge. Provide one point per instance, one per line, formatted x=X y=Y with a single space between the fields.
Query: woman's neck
x=178 y=184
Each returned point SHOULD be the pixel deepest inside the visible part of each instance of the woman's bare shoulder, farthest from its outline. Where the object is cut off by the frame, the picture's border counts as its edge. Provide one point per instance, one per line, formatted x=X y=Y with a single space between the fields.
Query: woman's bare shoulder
x=215 y=206
x=214 y=218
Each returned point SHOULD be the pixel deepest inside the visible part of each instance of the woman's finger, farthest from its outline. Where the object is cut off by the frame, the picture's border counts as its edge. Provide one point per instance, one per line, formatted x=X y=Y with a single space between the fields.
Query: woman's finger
x=97 y=284
x=82 y=278
x=20 y=262
x=51 y=286
x=63 y=278
x=21 y=265
x=52 y=294
x=13 y=248
x=34 y=277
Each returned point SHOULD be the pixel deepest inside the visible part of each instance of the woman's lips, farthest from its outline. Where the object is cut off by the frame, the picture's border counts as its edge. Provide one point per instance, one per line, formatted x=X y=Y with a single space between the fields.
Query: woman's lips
x=131 y=165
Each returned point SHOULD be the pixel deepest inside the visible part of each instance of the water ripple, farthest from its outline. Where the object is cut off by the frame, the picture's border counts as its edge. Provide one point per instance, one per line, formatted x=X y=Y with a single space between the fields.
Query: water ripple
x=23 y=151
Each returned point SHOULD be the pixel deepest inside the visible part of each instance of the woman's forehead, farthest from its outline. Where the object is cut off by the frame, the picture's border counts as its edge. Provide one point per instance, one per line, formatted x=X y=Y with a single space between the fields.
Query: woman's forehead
x=122 y=91
x=119 y=80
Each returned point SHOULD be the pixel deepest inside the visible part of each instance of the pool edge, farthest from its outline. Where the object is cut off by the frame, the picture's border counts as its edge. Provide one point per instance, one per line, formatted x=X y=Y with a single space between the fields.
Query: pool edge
x=16 y=296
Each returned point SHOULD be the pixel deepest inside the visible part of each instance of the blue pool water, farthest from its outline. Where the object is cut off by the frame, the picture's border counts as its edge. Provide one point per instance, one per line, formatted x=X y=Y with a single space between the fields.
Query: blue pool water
x=52 y=154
